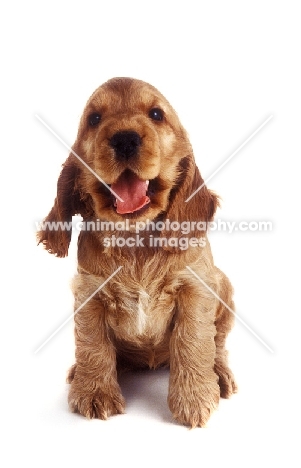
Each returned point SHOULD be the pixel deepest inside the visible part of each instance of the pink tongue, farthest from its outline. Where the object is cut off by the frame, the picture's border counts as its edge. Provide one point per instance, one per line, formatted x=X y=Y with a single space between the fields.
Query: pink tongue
x=132 y=191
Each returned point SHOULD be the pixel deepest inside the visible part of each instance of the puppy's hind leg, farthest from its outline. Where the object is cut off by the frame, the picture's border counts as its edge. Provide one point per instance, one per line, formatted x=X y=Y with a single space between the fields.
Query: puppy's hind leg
x=71 y=374
x=223 y=323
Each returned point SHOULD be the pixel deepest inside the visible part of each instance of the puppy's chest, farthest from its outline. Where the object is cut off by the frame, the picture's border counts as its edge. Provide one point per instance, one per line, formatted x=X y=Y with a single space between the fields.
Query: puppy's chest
x=142 y=313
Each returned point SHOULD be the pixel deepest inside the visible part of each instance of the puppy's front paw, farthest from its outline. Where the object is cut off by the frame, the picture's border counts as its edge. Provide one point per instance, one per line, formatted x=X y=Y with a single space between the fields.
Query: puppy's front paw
x=98 y=404
x=192 y=402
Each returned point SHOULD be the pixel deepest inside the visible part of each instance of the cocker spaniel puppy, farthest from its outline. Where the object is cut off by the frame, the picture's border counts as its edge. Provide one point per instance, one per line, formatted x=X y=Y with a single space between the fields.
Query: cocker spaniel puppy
x=137 y=304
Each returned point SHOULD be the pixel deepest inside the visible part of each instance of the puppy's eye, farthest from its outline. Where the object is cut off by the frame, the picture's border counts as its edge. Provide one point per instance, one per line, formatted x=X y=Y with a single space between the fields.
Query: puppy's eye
x=156 y=114
x=94 y=119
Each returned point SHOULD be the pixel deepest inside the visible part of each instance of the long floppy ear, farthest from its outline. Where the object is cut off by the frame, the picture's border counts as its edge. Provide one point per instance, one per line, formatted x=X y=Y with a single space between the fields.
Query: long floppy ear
x=195 y=214
x=55 y=233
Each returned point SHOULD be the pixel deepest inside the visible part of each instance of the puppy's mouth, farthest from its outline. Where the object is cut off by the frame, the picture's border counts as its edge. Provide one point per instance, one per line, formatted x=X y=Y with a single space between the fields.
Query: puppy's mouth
x=133 y=192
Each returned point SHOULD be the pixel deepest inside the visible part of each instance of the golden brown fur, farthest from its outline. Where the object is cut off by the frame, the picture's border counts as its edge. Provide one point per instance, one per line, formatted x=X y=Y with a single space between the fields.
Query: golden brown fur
x=153 y=312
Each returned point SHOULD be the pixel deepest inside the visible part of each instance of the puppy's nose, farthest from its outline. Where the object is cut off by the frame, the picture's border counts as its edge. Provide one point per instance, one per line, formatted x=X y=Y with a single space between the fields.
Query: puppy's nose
x=125 y=144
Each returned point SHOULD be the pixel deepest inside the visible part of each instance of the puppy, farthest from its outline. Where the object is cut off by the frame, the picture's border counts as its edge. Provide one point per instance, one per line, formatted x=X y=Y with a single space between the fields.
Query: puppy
x=137 y=305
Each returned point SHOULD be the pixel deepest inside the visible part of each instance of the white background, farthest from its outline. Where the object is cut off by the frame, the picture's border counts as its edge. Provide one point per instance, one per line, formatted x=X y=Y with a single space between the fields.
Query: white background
x=225 y=67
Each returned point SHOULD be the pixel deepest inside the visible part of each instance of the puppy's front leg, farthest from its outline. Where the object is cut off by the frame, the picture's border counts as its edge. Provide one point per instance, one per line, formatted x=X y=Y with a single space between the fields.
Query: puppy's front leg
x=193 y=390
x=94 y=390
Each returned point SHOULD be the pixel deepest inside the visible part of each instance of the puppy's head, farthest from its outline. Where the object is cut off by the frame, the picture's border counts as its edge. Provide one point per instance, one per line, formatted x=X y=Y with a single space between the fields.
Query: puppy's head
x=131 y=137
x=132 y=158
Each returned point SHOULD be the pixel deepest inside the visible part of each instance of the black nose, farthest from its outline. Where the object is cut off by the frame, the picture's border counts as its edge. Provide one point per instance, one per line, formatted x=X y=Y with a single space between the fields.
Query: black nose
x=125 y=144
